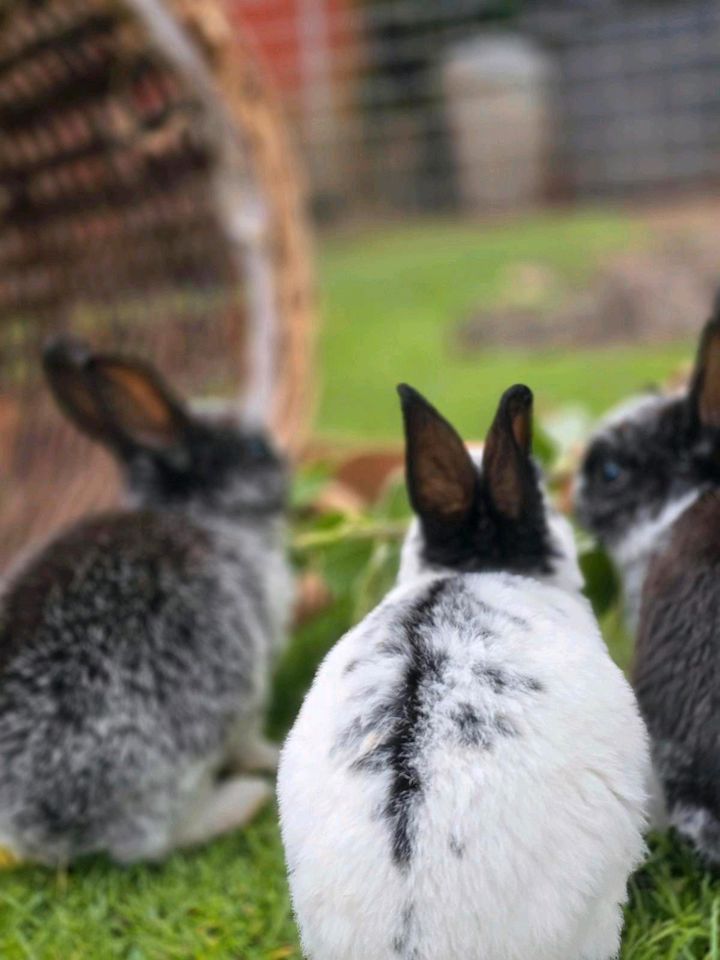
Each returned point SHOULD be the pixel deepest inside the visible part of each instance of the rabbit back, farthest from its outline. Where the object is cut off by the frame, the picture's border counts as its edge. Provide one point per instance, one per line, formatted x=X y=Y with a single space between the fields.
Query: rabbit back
x=677 y=672
x=128 y=654
x=469 y=762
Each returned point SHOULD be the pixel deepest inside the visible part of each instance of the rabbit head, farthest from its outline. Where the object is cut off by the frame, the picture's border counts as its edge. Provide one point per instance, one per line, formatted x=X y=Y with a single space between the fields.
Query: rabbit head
x=169 y=454
x=648 y=461
x=482 y=512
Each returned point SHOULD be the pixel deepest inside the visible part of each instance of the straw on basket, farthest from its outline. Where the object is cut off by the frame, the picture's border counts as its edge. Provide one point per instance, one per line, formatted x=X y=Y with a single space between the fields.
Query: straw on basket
x=149 y=201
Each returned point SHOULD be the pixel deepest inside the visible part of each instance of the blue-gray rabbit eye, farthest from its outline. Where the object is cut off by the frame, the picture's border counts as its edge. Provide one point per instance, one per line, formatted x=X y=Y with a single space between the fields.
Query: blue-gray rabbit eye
x=611 y=471
x=257 y=448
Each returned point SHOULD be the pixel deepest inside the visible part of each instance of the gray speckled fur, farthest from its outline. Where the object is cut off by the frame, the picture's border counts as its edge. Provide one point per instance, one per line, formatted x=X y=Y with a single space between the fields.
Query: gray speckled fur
x=135 y=653
x=140 y=673
x=466 y=700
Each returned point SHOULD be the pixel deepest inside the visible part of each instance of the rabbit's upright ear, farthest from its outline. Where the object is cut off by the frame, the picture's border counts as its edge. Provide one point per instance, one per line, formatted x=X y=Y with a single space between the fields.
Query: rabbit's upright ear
x=121 y=402
x=511 y=483
x=142 y=409
x=705 y=386
x=65 y=362
x=442 y=480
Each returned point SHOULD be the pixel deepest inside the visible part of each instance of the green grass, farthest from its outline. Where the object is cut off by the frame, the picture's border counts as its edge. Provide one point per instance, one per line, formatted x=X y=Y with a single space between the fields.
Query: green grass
x=229 y=901
x=390 y=301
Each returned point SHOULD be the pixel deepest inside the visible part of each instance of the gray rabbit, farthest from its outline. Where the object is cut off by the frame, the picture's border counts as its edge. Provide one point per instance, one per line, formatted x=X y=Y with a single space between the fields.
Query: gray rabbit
x=136 y=648
x=649 y=488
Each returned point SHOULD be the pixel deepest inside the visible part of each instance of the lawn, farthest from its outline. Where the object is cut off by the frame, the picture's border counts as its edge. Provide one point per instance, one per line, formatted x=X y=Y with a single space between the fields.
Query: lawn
x=392 y=299
x=389 y=300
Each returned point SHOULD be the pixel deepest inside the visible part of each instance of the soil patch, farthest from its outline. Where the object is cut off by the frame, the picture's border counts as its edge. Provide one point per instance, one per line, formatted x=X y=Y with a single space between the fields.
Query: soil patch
x=660 y=294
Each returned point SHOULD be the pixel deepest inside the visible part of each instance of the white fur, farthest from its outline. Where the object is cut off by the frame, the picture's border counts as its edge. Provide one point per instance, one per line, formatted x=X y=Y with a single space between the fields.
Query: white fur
x=633 y=552
x=549 y=820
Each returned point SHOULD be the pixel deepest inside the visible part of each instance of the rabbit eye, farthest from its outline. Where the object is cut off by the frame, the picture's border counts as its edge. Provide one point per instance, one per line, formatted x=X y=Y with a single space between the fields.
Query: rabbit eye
x=610 y=471
x=257 y=448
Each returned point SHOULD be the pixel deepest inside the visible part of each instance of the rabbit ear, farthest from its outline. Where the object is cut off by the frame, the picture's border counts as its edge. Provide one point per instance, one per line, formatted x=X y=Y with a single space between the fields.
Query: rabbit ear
x=705 y=387
x=65 y=362
x=141 y=408
x=442 y=480
x=510 y=481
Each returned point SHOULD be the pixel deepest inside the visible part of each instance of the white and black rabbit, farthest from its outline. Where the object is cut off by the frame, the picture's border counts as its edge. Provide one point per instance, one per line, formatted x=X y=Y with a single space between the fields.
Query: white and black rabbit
x=647 y=463
x=136 y=648
x=465 y=780
x=649 y=489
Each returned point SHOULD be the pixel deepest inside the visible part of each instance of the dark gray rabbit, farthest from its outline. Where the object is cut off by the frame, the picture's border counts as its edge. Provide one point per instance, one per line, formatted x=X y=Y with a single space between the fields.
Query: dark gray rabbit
x=650 y=489
x=135 y=649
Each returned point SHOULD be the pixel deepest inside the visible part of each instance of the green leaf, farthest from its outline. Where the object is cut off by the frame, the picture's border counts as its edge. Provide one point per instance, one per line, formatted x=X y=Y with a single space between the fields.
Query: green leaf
x=343 y=563
x=601 y=583
x=394 y=504
x=545 y=448
x=307 y=485
x=378 y=577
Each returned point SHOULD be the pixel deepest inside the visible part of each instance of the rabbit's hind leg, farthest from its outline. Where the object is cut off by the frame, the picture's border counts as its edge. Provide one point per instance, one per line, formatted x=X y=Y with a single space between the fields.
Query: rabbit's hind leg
x=257 y=755
x=602 y=941
x=229 y=805
x=248 y=751
x=10 y=855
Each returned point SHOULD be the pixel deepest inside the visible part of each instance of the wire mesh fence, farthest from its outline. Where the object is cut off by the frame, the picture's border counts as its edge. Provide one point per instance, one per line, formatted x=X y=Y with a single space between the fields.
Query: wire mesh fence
x=111 y=223
x=455 y=105
x=148 y=202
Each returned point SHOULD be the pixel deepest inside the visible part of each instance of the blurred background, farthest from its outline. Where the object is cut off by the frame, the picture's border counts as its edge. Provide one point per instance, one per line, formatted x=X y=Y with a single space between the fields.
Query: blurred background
x=505 y=189
x=457 y=107
x=299 y=203
x=481 y=191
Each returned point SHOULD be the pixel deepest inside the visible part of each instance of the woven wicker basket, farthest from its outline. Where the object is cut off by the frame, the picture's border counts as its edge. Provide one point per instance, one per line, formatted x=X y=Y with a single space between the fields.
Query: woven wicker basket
x=148 y=201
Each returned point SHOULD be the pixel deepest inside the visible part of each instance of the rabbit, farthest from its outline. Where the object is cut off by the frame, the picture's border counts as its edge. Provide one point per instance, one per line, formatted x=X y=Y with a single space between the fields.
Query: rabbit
x=650 y=491
x=648 y=462
x=135 y=648
x=465 y=779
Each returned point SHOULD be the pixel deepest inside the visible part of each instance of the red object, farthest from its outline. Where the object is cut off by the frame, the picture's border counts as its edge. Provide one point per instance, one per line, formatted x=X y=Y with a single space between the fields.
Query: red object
x=285 y=36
